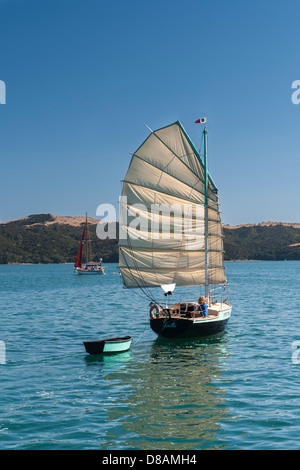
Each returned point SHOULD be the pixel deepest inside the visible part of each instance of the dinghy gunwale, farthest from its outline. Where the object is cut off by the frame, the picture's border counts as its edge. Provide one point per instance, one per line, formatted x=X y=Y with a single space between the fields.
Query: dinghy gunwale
x=98 y=346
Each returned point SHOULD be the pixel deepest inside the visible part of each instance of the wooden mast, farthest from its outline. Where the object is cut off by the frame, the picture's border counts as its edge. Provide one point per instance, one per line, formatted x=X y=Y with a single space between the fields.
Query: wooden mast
x=206 y=214
x=86 y=240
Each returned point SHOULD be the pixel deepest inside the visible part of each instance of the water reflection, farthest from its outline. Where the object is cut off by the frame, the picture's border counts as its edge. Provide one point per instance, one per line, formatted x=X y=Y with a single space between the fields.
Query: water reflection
x=170 y=399
x=109 y=359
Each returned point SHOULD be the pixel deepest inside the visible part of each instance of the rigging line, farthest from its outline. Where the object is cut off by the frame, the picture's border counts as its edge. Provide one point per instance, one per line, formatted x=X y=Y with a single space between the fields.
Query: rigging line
x=201 y=143
x=138 y=285
x=137 y=293
x=144 y=288
x=146 y=325
x=147 y=292
x=142 y=296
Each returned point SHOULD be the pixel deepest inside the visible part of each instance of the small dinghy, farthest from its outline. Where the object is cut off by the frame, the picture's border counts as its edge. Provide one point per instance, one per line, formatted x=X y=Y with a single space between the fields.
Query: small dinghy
x=110 y=345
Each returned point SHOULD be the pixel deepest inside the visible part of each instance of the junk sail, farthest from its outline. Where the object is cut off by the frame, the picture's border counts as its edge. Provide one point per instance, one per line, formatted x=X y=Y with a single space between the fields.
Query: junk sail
x=162 y=226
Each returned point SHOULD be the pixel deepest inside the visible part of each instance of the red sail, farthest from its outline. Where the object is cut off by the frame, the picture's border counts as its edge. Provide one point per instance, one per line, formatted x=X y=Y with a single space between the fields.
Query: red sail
x=78 y=262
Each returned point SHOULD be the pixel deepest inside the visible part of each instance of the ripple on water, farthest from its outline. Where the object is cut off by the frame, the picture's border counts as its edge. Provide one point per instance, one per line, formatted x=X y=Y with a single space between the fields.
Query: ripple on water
x=235 y=390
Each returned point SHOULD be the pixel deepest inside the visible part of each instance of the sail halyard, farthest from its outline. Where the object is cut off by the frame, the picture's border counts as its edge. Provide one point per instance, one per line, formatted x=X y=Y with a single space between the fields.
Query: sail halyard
x=166 y=172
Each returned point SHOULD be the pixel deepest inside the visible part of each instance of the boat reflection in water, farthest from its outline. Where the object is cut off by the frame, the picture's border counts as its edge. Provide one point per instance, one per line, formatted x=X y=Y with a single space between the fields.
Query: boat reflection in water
x=166 y=396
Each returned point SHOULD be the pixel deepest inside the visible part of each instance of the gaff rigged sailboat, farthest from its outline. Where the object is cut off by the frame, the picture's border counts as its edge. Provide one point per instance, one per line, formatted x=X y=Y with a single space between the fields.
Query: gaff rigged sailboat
x=90 y=266
x=171 y=234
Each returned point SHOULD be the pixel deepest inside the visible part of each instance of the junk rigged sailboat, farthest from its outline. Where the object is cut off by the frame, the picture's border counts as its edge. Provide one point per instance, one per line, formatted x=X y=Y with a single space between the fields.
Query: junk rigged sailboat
x=90 y=266
x=170 y=232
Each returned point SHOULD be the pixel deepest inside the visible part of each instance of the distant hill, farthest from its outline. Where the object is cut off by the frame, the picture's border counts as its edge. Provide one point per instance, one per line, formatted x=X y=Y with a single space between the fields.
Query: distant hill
x=45 y=238
x=265 y=241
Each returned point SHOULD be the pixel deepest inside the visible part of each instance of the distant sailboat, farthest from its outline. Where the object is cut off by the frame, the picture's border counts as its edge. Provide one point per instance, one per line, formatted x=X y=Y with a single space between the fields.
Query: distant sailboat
x=90 y=266
x=167 y=175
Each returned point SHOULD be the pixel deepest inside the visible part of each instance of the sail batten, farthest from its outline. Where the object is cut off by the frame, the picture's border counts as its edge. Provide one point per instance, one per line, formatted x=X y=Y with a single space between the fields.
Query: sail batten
x=145 y=189
x=162 y=215
x=163 y=192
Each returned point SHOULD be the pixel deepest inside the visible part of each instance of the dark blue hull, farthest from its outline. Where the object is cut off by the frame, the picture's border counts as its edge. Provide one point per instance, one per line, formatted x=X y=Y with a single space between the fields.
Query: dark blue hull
x=186 y=328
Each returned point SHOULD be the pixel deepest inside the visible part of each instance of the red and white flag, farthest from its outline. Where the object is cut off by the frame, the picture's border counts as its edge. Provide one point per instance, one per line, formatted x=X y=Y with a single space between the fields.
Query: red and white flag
x=200 y=121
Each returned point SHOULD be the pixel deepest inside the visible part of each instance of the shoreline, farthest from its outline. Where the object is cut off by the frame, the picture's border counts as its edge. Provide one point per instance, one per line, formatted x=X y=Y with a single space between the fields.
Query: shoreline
x=114 y=262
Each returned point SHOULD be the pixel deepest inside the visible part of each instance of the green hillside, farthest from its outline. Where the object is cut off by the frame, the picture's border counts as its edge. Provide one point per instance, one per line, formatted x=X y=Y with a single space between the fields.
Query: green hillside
x=31 y=241
x=261 y=242
x=39 y=239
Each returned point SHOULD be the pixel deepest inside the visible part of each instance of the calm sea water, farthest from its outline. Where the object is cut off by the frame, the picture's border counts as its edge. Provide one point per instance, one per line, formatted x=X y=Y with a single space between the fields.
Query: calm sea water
x=238 y=390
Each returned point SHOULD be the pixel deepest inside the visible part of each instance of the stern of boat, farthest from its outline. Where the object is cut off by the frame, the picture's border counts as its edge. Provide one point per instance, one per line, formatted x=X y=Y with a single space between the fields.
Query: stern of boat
x=184 y=320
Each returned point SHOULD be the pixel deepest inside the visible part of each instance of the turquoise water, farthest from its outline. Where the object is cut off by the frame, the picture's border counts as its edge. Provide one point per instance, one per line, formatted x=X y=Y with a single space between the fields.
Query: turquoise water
x=238 y=390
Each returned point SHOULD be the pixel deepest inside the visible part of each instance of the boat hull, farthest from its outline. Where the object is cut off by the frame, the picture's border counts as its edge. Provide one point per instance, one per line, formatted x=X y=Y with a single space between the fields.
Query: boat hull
x=110 y=345
x=188 y=327
x=83 y=272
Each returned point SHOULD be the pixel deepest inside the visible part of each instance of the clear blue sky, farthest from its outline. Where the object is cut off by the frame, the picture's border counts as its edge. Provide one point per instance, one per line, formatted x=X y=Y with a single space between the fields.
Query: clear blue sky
x=83 y=76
